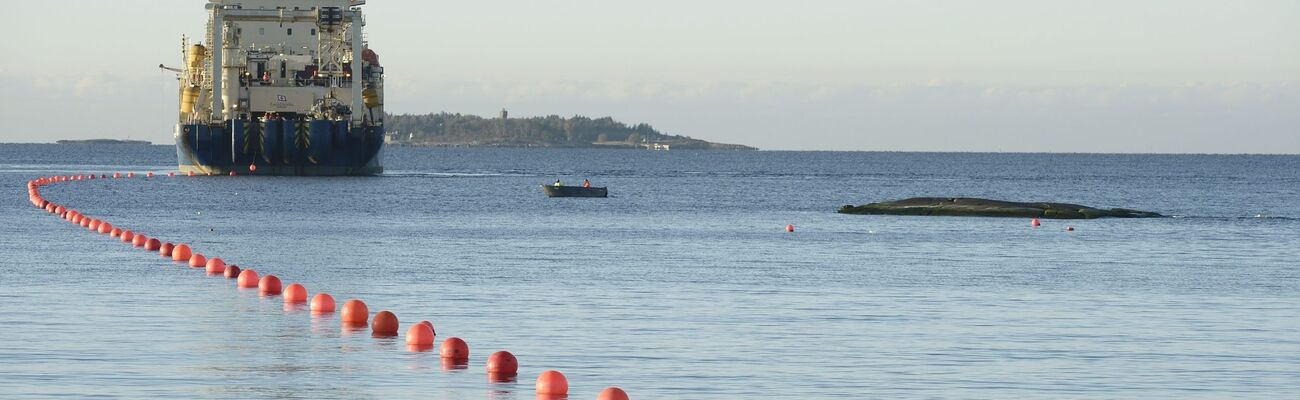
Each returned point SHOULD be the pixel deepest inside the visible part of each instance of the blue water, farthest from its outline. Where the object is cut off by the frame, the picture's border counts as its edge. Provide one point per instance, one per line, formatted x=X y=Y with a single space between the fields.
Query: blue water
x=682 y=284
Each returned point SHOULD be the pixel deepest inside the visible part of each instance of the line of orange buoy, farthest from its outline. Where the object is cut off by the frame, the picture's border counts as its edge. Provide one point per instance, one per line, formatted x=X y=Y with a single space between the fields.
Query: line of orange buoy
x=502 y=366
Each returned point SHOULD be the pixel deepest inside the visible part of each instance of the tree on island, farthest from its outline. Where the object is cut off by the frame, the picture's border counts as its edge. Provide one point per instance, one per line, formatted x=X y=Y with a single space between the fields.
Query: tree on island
x=549 y=131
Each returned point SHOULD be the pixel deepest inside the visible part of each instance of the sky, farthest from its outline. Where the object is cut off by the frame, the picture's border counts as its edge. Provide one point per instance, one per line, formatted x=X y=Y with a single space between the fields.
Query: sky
x=1186 y=76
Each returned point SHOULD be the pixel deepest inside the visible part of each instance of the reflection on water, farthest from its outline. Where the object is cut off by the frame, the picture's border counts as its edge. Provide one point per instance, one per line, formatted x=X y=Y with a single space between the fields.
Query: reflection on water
x=502 y=378
x=452 y=364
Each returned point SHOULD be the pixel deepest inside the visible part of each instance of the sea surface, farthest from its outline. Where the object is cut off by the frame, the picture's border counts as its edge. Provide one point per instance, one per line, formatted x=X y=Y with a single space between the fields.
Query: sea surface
x=682 y=285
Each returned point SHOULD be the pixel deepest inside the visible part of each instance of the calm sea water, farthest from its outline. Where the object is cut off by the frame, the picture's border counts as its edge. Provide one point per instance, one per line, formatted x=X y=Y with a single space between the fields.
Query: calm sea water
x=682 y=284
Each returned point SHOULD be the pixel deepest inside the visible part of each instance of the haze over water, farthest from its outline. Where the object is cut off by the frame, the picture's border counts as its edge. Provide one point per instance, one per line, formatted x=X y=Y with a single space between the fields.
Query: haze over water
x=682 y=284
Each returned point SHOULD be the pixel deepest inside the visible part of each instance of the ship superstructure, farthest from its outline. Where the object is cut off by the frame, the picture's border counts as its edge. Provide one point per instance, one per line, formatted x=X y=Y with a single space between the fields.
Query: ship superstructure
x=282 y=87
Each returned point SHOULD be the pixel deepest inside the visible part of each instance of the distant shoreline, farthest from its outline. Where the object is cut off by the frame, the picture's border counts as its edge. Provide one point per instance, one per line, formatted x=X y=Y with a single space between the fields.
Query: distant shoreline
x=105 y=141
x=965 y=152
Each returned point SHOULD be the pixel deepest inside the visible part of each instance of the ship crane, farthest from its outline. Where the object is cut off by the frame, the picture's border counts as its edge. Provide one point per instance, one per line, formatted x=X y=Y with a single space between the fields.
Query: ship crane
x=166 y=68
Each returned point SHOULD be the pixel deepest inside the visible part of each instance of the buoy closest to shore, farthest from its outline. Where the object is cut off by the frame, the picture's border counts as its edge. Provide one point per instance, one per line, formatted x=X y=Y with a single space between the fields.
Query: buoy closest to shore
x=612 y=393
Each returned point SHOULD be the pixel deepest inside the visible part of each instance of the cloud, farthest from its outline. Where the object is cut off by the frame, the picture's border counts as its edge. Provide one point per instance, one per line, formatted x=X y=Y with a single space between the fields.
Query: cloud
x=936 y=115
x=44 y=108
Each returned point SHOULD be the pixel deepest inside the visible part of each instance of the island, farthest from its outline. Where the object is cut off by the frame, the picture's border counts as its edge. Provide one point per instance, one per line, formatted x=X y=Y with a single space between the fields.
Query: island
x=105 y=141
x=459 y=130
x=973 y=207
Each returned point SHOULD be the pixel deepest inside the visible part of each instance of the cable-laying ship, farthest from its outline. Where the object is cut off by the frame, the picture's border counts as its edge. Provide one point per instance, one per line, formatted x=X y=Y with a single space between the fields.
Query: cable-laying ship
x=281 y=87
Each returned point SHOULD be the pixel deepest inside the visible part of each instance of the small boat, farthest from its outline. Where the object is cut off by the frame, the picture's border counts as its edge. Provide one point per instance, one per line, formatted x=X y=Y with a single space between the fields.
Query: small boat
x=574 y=191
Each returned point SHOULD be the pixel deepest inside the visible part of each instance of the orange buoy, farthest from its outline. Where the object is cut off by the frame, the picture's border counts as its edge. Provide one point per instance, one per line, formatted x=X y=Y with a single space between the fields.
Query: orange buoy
x=295 y=293
x=105 y=227
x=430 y=325
x=215 y=266
x=130 y=174
x=148 y=175
x=165 y=250
x=189 y=173
x=139 y=240
x=269 y=286
x=116 y=232
x=612 y=393
x=232 y=271
x=1035 y=223
x=209 y=173
x=322 y=303
x=171 y=174
x=502 y=363
x=247 y=279
x=127 y=236
x=197 y=260
x=152 y=244
x=384 y=324
x=552 y=382
x=94 y=224
x=60 y=210
x=232 y=173
x=1069 y=229
x=252 y=167
x=355 y=313
x=85 y=222
x=454 y=348
x=181 y=252
x=117 y=175
x=789 y=227
x=419 y=335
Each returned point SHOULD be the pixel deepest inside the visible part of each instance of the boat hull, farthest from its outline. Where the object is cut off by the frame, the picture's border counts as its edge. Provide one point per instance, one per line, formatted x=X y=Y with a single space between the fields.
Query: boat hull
x=280 y=147
x=574 y=191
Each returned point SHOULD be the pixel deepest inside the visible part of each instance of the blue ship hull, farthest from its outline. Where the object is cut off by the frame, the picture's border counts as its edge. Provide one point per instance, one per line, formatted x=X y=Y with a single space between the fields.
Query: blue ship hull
x=280 y=147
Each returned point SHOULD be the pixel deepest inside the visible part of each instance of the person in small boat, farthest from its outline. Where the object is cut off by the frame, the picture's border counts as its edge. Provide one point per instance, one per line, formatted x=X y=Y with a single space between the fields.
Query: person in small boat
x=557 y=183
x=586 y=183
